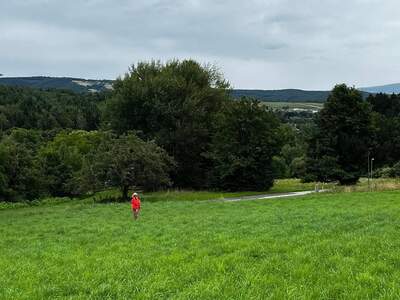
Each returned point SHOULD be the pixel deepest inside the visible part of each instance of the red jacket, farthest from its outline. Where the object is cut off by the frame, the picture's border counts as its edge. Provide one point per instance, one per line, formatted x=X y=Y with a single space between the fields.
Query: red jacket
x=135 y=202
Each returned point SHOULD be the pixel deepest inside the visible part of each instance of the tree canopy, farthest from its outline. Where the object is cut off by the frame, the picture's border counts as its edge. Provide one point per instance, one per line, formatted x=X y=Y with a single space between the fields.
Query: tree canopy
x=48 y=109
x=344 y=134
x=176 y=125
x=176 y=104
x=246 y=139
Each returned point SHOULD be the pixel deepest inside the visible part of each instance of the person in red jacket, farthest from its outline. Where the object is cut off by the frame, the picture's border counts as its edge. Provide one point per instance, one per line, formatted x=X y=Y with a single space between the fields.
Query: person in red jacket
x=135 y=204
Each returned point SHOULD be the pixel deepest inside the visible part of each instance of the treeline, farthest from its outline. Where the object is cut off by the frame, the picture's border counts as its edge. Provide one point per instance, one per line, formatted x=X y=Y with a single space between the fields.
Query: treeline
x=34 y=164
x=163 y=125
x=348 y=131
x=176 y=125
x=49 y=109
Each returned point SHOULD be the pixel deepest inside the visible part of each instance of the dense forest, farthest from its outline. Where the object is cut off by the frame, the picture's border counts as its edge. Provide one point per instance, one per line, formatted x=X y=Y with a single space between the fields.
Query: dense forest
x=78 y=85
x=177 y=125
x=49 y=109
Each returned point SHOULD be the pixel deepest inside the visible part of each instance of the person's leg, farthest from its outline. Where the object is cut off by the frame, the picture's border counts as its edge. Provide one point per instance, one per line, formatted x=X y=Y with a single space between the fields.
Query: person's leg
x=136 y=213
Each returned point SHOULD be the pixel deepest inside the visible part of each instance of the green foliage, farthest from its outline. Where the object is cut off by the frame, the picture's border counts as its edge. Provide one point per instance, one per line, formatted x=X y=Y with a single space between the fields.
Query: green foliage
x=19 y=176
x=246 y=139
x=182 y=107
x=61 y=160
x=279 y=168
x=175 y=104
x=339 y=146
x=386 y=119
x=289 y=163
x=388 y=172
x=74 y=163
x=126 y=162
x=48 y=109
x=387 y=105
x=385 y=172
x=298 y=167
x=396 y=169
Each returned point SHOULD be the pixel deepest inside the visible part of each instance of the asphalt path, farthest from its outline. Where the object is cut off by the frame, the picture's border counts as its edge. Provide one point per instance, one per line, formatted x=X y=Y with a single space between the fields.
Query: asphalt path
x=268 y=196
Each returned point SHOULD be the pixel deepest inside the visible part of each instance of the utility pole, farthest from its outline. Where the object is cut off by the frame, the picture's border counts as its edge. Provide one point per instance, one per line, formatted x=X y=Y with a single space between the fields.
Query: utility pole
x=372 y=174
x=368 y=171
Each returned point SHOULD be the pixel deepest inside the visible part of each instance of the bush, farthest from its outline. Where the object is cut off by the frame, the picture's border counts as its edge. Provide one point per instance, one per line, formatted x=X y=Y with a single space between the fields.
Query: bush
x=298 y=167
x=385 y=172
x=126 y=162
x=396 y=170
x=279 y=167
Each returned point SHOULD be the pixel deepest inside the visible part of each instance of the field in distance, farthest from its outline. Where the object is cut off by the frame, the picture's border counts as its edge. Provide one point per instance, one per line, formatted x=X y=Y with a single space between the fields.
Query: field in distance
x=322 y=246
x=295 y=105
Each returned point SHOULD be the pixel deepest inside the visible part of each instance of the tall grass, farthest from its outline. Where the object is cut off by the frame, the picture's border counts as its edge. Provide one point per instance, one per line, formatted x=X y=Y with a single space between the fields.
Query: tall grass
x=376 y=184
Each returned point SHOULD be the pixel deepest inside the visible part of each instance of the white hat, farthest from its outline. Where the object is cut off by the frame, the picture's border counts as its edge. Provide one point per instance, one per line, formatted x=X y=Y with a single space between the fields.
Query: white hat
x=134 y=194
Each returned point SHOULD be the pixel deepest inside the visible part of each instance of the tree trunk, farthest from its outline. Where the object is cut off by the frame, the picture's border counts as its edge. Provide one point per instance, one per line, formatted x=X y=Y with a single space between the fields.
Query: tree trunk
x=125 y=193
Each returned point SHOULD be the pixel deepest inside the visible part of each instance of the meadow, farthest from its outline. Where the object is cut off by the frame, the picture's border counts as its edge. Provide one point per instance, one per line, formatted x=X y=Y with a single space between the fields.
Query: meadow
x=295 y=105
x=327 y=245
x=114 y=195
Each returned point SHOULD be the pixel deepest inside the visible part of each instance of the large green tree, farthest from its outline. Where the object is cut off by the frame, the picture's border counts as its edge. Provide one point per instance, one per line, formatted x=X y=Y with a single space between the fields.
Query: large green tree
x=386 y=118
x=176 y=105
x=126 y=162
x=343 y=135
x=246 y=139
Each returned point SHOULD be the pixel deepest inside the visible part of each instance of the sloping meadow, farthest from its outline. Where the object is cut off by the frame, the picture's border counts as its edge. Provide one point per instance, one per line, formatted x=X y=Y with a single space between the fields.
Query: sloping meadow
x=321 y=246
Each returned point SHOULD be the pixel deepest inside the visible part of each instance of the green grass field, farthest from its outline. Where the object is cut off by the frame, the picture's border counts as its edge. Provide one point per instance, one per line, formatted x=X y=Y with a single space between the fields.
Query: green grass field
x=294 y=105
x=323 y=246
x=280 y=186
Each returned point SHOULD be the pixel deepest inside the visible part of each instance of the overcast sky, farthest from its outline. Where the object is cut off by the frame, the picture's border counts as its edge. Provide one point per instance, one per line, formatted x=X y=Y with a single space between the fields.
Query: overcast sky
x=270 y=44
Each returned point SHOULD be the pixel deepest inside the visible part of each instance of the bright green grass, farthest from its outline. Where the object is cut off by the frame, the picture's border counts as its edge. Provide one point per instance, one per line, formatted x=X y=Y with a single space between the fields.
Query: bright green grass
x=324 y=246
x=280 y=186
x=176 y=195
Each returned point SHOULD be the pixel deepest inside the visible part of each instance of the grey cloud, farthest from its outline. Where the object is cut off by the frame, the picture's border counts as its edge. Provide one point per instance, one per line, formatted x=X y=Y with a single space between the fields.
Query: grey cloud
x=257 y=43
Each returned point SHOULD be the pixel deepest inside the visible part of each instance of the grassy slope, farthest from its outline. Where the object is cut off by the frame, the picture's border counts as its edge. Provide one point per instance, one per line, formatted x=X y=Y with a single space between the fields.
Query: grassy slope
x=280 y=186
x=293 y=105
x=320 y=246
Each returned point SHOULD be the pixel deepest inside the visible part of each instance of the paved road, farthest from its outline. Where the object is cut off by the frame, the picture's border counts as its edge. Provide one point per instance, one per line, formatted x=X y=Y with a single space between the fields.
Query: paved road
x=268 y=196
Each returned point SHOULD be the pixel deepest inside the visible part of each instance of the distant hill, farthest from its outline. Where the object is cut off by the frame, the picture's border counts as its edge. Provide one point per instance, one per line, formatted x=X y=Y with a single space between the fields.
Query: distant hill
x=288 y=95
x=386 y=89
x=75 y=84
x=89 y=85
